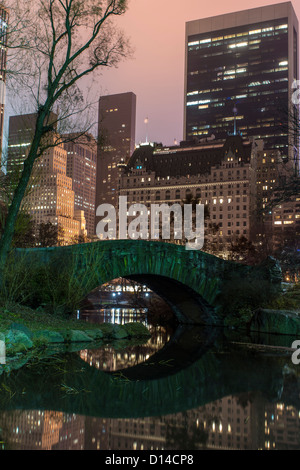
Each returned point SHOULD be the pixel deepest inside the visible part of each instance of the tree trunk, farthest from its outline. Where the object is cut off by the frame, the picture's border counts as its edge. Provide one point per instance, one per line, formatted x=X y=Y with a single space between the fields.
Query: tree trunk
x=8 y=232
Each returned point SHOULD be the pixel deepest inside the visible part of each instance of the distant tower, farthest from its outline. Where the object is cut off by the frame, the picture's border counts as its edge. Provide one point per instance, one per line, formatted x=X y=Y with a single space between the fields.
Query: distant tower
x=81 y=167
x=146 y=122
x=247 y=57
x=3 y=43
x=116 y=136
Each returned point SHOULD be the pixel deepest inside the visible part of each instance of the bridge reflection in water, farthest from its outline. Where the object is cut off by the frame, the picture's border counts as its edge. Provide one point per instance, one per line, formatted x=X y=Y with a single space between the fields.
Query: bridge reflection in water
x=179 y=377
x=195 y=391
x=196 y=367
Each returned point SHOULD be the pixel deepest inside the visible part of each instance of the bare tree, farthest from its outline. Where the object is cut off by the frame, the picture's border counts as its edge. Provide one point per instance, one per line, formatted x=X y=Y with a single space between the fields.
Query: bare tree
x=60 y=42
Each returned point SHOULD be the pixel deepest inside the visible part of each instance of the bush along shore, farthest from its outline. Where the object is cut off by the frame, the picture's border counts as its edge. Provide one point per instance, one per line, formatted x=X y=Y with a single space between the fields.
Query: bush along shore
x=253 y=312
x=29 y=334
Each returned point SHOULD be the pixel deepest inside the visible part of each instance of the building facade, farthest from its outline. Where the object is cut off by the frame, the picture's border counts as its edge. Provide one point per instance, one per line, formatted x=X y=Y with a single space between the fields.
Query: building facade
x=220 y=174
x=239 y=74
x=116 y=135
x=50 y=197
x=286 y=231
x=81 y=168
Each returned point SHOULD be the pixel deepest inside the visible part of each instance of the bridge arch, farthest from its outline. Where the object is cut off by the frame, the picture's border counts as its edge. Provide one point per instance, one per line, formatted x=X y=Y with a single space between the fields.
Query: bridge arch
x=201 y=276
x=186 y=304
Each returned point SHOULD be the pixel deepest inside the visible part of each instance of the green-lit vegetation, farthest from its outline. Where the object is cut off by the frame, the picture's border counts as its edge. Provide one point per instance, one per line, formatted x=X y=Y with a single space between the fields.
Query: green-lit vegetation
x=289 y=300
x=37 y=320
x=56 y=288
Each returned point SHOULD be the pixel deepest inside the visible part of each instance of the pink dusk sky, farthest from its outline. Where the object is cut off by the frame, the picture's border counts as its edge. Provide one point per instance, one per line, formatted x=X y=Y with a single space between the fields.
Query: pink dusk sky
x=155 y=73
x=156 y=29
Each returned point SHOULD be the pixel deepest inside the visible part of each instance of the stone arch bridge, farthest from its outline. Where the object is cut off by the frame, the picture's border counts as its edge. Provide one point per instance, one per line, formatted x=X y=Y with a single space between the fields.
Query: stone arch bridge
x=191 y=281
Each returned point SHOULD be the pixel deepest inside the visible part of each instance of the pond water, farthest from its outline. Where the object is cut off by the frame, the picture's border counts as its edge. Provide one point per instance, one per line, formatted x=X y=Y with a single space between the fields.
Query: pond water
x=183 y=389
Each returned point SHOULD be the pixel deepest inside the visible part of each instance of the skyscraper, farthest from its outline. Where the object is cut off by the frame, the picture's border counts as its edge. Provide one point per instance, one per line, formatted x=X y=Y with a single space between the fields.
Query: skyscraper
x=3 y=42
x=50 y=197
x=81 y=167
x=116 y=134
x=239 y=74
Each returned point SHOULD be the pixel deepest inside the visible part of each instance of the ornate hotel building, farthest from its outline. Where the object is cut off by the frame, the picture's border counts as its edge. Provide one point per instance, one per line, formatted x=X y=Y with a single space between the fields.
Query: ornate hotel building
x=220 y=174
x=235 y=178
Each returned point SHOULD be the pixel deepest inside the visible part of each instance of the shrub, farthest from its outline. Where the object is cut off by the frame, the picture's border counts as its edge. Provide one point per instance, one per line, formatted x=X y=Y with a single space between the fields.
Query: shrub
x=55 y=286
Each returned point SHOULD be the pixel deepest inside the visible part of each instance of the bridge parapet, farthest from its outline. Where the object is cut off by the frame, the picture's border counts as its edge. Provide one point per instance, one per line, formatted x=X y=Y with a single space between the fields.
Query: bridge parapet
x=93 y=264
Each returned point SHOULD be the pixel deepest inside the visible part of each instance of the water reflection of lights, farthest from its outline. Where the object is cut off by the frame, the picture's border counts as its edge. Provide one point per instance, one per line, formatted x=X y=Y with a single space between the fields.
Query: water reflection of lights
x=109 y=358
x=118 y=316
x=111 y=310
x=223 y=424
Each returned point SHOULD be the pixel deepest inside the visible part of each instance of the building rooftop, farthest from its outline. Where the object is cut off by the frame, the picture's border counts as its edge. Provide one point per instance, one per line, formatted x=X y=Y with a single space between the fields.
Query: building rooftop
x=188 y=158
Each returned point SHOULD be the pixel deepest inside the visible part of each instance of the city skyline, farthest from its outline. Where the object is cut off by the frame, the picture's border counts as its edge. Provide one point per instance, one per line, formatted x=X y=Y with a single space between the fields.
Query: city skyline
x=120 y=118
x=148 y=70
x=163 y=105
x=150 y=229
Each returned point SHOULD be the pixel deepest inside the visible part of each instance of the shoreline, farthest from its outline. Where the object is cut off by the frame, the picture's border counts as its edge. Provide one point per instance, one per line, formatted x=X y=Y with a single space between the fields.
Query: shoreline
x=28 y=333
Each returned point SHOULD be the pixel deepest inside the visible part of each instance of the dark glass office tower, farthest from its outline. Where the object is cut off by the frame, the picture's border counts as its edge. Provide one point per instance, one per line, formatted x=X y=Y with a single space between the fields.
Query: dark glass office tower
x=116 y=143
x=116 y=135
x=240 y=70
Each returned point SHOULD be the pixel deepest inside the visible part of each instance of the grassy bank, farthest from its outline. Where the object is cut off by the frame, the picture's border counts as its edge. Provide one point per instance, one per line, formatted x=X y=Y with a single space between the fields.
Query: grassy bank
x=29 y=334
x=37 y=320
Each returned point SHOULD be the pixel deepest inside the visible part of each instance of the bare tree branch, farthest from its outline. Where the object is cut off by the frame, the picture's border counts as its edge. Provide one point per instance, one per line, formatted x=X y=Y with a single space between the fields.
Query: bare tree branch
x=59 y=42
